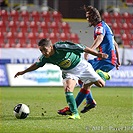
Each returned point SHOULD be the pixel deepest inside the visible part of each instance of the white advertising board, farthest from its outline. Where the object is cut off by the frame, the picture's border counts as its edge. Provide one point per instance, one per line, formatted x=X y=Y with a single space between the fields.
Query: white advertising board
x=30 y=55
x=48 y=75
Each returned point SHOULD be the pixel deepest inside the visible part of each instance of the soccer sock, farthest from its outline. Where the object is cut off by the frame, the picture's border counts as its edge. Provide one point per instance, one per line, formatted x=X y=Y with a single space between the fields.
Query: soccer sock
x=89 y=97
x=71 y=102
x=81 y=96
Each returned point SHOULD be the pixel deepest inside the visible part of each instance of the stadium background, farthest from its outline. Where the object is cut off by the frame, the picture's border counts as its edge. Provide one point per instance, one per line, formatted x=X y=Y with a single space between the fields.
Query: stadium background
x=24 y=22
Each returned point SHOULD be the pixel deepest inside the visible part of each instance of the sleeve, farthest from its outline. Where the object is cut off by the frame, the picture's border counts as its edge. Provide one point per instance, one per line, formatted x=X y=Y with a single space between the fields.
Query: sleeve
x=41 y=61
x=69 y=46
x=99 y=30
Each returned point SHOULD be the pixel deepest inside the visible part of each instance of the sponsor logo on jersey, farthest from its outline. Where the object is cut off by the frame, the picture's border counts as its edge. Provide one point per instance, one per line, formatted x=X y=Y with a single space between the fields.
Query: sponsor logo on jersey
x=99 y=30
x=65 y=63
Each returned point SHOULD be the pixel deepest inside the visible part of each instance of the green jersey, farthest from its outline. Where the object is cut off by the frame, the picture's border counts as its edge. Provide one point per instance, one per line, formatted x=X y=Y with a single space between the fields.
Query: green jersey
x=67 y=55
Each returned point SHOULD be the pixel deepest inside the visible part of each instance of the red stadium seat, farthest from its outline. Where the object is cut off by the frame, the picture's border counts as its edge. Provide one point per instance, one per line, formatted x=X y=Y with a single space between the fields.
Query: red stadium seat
x=116 y=29
x=22 y=24
x=127 y=17
x=33 y=24
x=116 y=17
x=4 y=15
x=25 y=16
x=65 y=27
x=30 y=35
x=11 y=24
x=54 y=37
x=129 y=2
x=46 y=16
x=54 y=27
x=35 y=16
x=56 y=16
x=20 y=36
x=63 y=37
x=44 y=27
x=126 y=40
x=107 y=18
x=2 y=23
x=74 y=38
x=42 y=35
x=14 y=15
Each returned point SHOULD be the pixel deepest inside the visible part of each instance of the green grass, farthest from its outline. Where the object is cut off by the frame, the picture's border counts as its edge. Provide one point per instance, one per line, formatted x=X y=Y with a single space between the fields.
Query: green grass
x=113 y=113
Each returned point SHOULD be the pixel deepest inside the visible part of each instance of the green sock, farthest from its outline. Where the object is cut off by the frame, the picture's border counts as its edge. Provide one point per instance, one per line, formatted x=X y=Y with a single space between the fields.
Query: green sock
x=71 y=102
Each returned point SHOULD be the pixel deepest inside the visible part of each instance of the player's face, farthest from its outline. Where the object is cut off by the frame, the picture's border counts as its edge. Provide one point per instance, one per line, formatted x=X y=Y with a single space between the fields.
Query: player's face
x=87 y=17
x=47 y=51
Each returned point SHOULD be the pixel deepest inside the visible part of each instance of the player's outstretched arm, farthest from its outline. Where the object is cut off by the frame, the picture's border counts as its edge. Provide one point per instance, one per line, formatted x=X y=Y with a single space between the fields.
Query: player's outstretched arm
x=98 y=54
x=29 y=69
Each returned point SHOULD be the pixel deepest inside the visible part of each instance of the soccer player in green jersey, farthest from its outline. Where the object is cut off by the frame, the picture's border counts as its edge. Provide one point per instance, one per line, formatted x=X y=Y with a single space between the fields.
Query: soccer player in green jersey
x=67 y=56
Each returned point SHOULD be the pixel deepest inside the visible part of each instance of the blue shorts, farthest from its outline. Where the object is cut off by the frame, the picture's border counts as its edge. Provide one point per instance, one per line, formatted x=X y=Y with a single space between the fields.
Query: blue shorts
x=103 y=65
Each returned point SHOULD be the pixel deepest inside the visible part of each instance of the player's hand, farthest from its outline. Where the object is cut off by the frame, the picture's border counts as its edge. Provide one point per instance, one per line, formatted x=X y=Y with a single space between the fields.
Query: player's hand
x=86 y=56
x=118 y=65
x=102 y=55
x=19 y=73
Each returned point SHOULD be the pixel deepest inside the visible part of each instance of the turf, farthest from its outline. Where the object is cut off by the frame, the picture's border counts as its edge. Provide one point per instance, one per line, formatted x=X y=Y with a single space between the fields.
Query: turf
x=113 y=113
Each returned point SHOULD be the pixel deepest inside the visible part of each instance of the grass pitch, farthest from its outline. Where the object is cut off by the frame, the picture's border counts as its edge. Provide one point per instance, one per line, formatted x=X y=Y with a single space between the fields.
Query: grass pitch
x=113 y=113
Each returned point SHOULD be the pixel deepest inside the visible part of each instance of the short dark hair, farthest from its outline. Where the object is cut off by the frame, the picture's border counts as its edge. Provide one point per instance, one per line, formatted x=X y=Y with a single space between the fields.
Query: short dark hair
x=44 y=42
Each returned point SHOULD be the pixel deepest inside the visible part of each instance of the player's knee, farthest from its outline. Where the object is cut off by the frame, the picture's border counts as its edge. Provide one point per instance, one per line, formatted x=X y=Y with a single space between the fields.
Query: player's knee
x=100 y=83
x=68 y=89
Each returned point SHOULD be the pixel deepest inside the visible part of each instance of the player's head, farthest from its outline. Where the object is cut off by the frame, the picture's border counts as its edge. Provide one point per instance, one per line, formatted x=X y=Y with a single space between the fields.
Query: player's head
x=92 y=15
x=46 y=47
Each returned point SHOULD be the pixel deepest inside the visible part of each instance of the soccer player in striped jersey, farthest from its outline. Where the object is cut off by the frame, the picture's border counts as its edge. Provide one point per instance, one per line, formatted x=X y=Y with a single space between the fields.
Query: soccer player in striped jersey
x=104 y=42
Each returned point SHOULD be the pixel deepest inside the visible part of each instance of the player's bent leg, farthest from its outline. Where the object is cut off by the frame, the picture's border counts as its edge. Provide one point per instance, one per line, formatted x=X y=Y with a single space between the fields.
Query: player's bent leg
x=89 y=106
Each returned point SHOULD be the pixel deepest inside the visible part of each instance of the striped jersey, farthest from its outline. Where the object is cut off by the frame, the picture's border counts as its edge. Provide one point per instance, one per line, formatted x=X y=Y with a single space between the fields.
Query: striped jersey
x=107 y=45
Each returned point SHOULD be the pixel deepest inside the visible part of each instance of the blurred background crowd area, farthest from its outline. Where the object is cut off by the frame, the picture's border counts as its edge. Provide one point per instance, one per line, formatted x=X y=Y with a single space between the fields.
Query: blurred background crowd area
x=24 y=22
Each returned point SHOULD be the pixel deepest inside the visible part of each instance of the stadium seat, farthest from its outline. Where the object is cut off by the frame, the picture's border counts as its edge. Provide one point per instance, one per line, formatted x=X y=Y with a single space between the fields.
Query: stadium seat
x=56 y=16
x=116 y=29
x=22 y=24
x=54 y=27
x=46 y=16
x=63 y=37
x=14 y=15
x=2 y=23
x=20 y=35
x=127 y=17
x=35 y=16
x=125 y=40
x=25 y=16
x=43 y=26
x=74 y=38
x=33 y=24
x=4 y=15
x=5 y=44
x=54 y=37
x=65 y=28
x=41 y=35
x=116 y=17
x=107 y=18
x=11 y=24
x=129 y=2
x=30 y=35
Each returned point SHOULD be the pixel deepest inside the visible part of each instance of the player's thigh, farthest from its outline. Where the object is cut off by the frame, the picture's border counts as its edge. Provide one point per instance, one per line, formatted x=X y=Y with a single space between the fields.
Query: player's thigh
x=89 y=75
x=102 y=65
